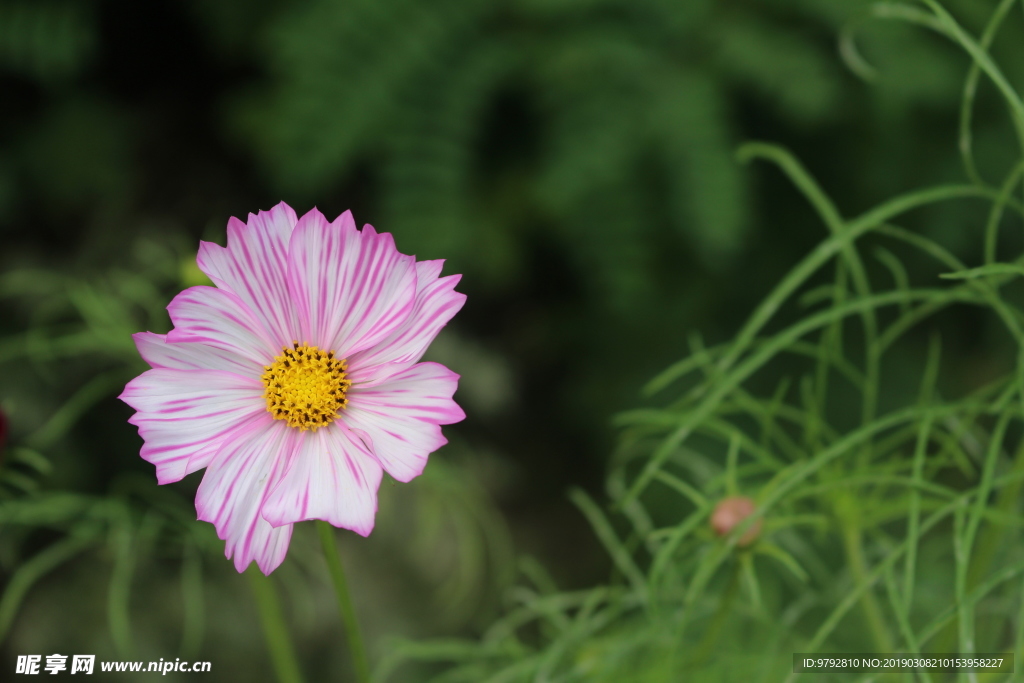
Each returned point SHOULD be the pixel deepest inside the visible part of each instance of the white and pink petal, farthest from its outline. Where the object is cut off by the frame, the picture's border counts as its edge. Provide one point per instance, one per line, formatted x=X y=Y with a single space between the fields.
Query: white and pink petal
x=159 y=353
x=436 y=303
x=254 y=267
x=235 y=487
x=184 y=415
x=331 y=477
x=218 y=318
x=353 y=287
x=401 y=416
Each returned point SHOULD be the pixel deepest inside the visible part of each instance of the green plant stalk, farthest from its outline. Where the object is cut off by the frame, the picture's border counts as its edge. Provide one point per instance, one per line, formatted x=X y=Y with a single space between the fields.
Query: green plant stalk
x=348 y=615
x=951 y=28
x=964 y=607
x=282 y=654
x=967 y=102
x=900 y=609
x=706 y=647
x=993 y=537
x=872 y=611
x=982 y=554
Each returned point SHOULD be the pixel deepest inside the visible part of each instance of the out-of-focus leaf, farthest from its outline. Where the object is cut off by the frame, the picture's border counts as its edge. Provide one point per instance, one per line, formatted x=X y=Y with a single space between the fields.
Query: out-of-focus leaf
x=46 y=39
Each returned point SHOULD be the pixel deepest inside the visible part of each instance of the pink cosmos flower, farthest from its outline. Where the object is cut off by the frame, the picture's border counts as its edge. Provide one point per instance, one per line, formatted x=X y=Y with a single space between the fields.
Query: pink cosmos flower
x=295 y=380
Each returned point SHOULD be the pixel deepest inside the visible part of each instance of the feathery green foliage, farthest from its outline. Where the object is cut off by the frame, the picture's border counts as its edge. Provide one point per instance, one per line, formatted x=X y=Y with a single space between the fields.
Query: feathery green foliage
x=891 y=519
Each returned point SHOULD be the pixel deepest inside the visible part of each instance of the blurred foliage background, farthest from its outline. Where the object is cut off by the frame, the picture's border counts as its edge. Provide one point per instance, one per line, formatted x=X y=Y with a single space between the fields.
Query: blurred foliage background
x=574 y=159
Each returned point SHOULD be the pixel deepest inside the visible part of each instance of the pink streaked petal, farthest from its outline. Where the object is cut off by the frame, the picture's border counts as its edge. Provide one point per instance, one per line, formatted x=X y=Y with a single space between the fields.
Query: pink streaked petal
x=353 y=286
x=436 y=303
x=234 y=489
x=220 y=319
x=243 y=429
x=254 y=267
x=332 y=477
x=185 y=415
x=402 y=416
x=159 y=353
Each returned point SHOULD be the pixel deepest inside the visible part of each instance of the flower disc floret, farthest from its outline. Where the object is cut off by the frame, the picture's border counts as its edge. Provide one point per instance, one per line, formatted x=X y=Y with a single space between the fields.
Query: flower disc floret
x=306 y=386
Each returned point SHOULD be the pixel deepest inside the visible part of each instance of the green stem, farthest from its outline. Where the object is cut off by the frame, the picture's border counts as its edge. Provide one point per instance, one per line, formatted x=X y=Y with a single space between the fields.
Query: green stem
x=706 y=646
x=858 y=567
x=994 y=537
x=348 y=614
x=282 y=655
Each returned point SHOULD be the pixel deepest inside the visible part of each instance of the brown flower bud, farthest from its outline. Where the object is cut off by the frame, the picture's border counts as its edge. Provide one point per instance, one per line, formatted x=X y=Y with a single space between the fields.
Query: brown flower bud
x=729 y=512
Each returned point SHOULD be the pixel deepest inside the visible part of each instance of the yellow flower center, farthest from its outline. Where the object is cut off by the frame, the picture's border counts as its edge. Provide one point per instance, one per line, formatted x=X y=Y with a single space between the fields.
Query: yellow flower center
x=305 y=386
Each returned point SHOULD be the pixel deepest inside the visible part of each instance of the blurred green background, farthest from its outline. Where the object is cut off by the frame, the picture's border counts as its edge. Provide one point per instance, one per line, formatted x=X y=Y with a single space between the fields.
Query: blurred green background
x=573 y=159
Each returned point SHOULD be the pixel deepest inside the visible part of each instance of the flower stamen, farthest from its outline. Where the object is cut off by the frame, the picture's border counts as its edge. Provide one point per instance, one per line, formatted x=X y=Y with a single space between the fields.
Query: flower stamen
x=306 y=386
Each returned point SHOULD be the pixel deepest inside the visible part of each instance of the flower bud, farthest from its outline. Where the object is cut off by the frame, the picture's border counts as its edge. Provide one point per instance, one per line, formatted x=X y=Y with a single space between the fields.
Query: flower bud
x=729 y=512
